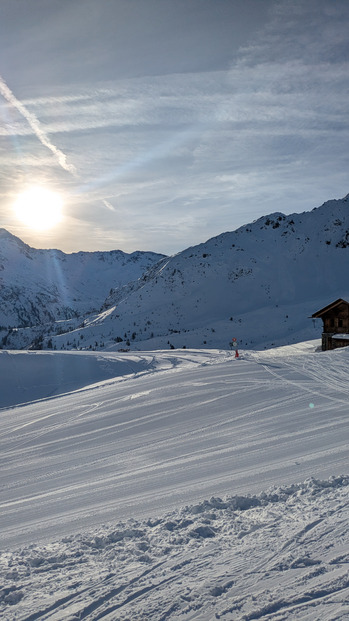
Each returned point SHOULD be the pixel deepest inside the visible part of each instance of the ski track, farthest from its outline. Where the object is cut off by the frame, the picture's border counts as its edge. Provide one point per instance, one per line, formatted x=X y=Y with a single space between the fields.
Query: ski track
x=81 y=474
x=278 y=555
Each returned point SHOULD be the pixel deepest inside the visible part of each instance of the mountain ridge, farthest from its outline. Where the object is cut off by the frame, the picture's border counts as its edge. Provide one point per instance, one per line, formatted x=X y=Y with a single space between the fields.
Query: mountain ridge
x=260 y=284
x=40 y=286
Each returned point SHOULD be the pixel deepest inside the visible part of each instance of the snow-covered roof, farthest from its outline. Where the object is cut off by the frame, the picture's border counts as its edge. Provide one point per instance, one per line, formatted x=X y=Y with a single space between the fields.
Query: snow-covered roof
x=341 y=336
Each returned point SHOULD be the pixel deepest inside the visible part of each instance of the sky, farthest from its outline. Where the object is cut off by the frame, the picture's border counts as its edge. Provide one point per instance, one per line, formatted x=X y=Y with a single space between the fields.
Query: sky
x=162 y=123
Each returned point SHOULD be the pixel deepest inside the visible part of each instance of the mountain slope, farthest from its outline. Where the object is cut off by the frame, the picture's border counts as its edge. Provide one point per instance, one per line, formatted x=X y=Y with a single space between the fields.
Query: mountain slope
x=260 y=284
x=39 y=286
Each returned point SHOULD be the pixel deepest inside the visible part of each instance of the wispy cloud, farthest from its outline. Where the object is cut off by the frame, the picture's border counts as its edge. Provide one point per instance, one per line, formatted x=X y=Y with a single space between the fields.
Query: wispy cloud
x=167 y=160
x=35 y=125
x=108 y=205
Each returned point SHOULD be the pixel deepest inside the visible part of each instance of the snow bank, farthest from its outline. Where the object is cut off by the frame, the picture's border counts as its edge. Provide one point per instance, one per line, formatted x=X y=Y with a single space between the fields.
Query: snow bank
x=280 y=554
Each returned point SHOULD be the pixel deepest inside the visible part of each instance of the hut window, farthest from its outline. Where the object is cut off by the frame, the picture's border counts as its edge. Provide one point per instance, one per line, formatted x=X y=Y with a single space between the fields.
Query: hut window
x=340 y=323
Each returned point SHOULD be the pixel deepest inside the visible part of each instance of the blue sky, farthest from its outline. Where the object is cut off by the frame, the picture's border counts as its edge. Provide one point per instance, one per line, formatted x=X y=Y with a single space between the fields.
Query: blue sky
x=165 y=122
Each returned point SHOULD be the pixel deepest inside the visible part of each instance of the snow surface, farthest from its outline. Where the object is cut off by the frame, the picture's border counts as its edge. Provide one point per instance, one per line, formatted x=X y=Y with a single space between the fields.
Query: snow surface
x=174 y=485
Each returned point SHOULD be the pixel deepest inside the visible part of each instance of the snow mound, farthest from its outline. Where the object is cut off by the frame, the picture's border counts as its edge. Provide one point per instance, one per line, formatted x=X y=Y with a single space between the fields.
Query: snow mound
x=280 y=554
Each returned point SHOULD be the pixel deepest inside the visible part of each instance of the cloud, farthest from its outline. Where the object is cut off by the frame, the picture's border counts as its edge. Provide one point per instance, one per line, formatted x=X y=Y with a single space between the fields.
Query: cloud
x=108 y=205
x=35 y=125
x=167 y=160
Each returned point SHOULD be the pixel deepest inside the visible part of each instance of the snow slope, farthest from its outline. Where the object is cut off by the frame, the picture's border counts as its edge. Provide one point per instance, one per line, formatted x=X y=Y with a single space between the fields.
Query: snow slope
x=103 y=510
x=31 y=375
x=40 y=286
x=279 y=555
x=259 y=284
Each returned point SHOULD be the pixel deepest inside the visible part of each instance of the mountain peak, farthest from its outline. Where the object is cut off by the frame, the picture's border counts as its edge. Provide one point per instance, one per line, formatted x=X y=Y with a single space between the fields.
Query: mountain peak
x=6 y=234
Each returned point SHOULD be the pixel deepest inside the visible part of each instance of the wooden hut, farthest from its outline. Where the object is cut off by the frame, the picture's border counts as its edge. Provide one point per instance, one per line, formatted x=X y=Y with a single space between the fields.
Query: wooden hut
x=335 y=319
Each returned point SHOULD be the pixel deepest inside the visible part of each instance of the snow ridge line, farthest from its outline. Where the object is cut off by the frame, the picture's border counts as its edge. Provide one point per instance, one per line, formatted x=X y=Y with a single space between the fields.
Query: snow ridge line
x=272 y=495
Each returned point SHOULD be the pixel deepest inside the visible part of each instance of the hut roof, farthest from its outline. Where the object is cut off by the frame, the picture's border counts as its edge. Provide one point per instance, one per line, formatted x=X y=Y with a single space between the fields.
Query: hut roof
x=329 y=307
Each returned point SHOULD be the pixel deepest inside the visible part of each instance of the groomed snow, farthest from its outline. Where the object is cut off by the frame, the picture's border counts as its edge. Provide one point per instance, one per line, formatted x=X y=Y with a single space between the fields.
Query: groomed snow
x=175 y=485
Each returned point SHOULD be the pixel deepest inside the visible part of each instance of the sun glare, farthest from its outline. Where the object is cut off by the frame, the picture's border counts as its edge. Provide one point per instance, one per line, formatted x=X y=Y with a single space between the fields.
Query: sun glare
x=39 y=208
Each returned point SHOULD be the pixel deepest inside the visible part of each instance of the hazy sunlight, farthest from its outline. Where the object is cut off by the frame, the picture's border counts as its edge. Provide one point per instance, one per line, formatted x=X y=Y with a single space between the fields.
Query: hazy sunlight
x=39 y=208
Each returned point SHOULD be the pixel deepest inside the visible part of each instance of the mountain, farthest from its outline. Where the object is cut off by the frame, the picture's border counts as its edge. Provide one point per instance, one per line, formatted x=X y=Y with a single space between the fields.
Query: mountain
x=258 y=284
x=40 y=286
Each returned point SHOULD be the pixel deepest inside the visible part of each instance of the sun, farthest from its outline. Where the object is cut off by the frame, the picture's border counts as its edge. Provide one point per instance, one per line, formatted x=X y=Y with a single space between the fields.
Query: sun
x=39 y=208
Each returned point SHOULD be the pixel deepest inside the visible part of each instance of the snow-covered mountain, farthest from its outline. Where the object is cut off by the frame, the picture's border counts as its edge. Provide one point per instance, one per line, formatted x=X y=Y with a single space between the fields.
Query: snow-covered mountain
x=258 y=284
x=40 y=286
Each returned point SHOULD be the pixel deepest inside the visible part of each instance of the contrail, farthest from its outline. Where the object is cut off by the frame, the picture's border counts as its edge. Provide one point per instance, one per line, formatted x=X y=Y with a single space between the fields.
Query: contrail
x=36 y=127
